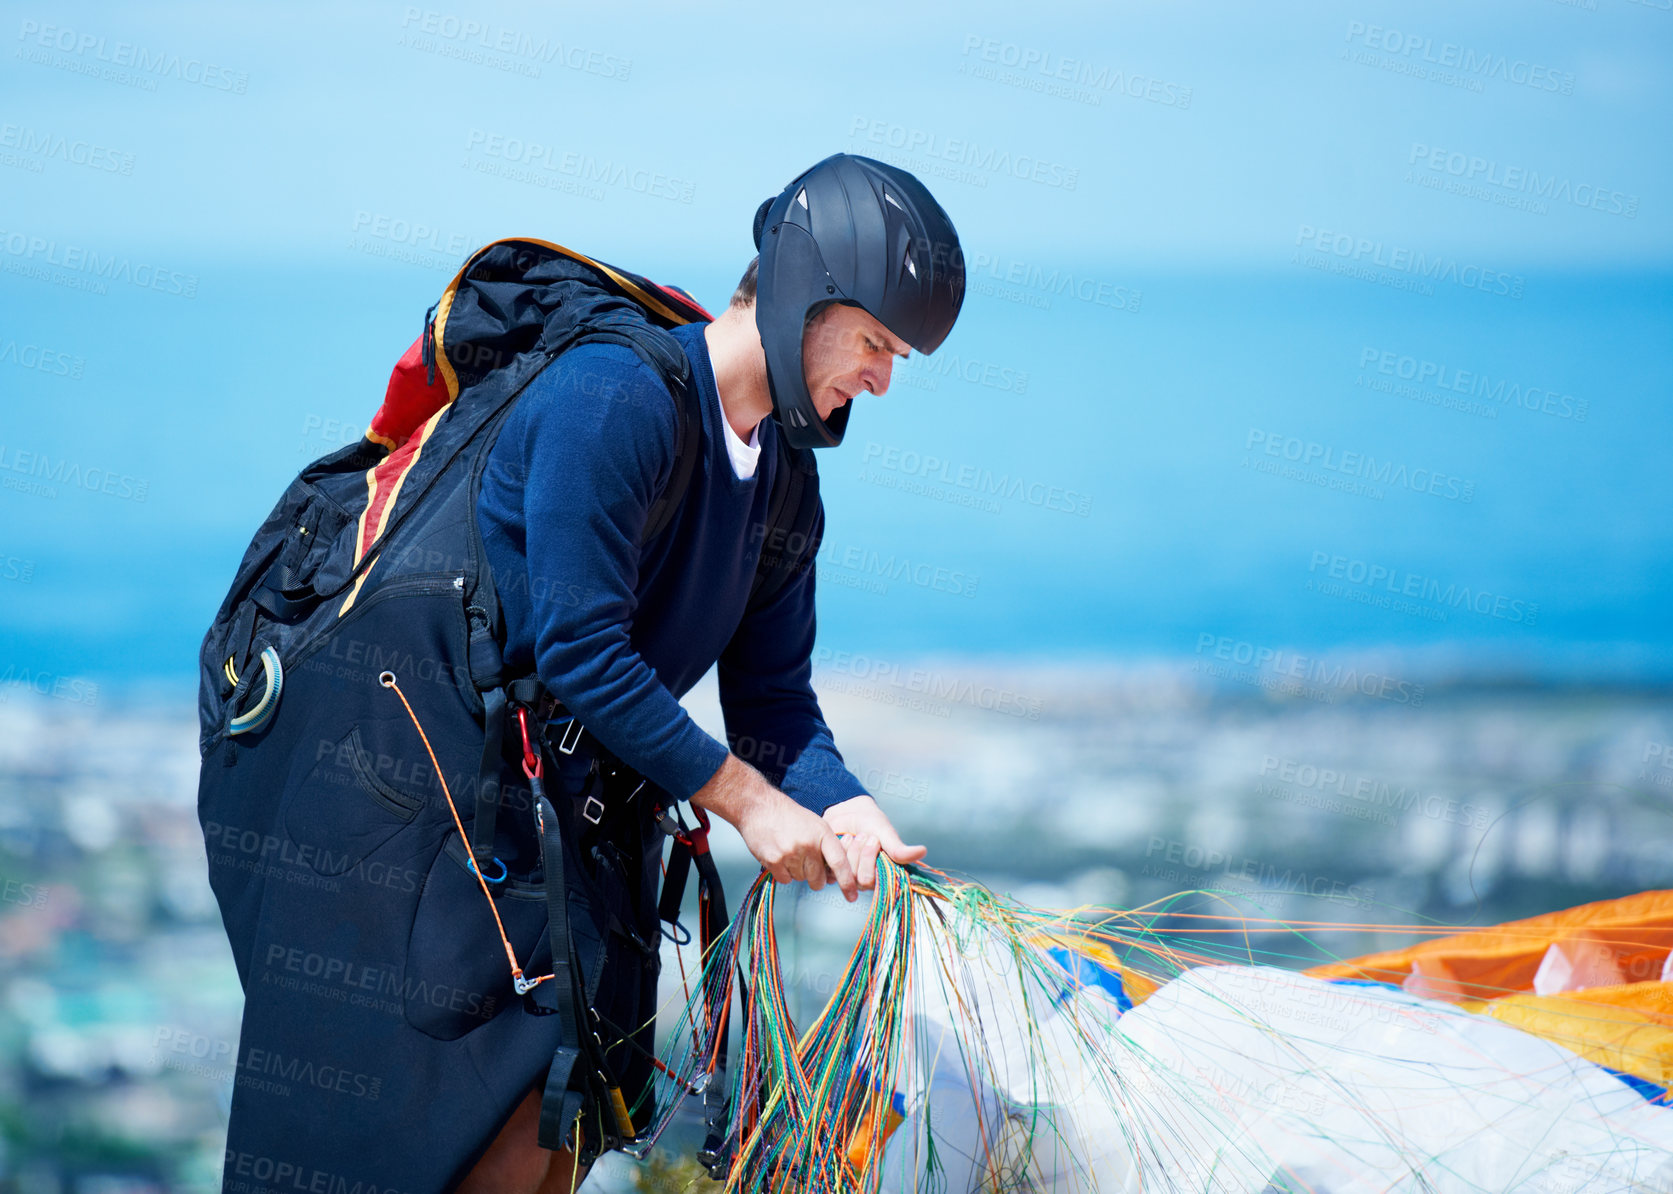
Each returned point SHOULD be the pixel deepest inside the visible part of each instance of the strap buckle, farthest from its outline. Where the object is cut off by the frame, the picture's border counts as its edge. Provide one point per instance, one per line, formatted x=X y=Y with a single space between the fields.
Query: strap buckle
x=593 y=810
x=696 y=839
x=531 y=756
x=571 y=736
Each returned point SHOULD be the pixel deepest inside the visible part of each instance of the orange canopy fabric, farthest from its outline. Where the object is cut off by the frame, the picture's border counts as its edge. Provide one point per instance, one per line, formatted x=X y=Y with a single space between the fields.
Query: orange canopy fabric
x=1489 y=963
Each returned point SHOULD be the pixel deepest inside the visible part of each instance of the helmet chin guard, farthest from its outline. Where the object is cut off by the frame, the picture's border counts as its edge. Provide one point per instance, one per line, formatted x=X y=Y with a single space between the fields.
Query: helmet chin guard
x=852 y=230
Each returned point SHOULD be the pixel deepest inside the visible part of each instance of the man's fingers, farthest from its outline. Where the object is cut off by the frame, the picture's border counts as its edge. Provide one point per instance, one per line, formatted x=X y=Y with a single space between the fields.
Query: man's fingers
x=865 y=871
x=813 y=870
x=851 y=848
x=853 y=844
x=837 y=858
x=897 y=849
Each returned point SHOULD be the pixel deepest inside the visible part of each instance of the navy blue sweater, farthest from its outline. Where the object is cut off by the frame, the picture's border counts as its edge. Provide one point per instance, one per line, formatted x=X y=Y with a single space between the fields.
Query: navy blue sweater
x=619 y=633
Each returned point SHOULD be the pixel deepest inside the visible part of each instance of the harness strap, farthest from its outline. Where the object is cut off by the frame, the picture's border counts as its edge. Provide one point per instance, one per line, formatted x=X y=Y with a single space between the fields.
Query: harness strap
x=673 y=883
x=560 y=1103
x=285 y=605
x=488 y=778
x=712 y=921
x=792 y=515
x=691 y=848
x=487 y=666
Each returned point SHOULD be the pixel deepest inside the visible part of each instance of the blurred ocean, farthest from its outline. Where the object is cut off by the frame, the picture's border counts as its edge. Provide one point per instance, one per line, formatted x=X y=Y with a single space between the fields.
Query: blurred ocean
x=1287 y=457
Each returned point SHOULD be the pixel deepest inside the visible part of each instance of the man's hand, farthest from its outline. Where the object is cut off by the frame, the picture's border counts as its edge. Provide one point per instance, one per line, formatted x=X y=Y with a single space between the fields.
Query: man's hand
x=788 y=840
x=865 y=830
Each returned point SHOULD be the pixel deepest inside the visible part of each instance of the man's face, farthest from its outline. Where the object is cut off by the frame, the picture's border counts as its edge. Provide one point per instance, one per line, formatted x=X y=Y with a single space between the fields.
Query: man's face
x=844 y=351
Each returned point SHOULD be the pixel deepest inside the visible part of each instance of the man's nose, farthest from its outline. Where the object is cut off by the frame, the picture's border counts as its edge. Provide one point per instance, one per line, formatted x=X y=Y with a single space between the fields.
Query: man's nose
x=877 y=379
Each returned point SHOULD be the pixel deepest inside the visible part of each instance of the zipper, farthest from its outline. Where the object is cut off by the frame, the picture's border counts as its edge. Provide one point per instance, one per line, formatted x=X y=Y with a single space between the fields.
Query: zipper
x=406 y=586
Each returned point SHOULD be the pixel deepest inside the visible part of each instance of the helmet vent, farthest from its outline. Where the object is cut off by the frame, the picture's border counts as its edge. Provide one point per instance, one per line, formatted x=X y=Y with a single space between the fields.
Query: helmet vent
x=801 y=197
x=910 y=268
x=888 y=198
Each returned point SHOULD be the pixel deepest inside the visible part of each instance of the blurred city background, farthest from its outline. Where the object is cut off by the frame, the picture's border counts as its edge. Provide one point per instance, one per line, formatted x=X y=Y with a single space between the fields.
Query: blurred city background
x=1285 y=520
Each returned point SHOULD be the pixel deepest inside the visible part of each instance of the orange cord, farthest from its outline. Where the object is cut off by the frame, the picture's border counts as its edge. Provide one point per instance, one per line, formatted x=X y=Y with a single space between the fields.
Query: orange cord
x=387 y=679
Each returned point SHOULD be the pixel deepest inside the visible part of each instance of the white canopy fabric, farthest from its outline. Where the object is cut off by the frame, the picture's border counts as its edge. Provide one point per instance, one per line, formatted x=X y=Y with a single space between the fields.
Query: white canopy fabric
x=1246 y=1080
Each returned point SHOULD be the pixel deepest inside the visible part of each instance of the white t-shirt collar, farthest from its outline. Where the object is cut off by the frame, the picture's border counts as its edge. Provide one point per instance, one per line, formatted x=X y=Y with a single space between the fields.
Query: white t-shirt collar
x=744 y=456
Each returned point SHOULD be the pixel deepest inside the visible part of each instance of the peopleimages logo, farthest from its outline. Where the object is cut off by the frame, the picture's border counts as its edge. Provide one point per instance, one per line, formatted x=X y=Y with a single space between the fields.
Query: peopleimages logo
x=260 y=1174
x=1376 y=793
x=1387 y=586
x=148 y=65
x=533 y=160
x=42 y=145
x=334 y=974
x=1264 y=875
x=48 y=684
x=1305 y=669
x=44 y=360
x=1357 y=466
x=926 y=683
x=1035 y=69
x=1467 y=168
x=1035 y=285
x=39 y=256
x=1470 y=63
x=981 y=483
x=990 y=375
x=15 y=568
x=1355 y=256
x=415 y=234
x=473 y=41
x=1473 y=383
x=961 y=151
x=854 y=566
x=47 y=471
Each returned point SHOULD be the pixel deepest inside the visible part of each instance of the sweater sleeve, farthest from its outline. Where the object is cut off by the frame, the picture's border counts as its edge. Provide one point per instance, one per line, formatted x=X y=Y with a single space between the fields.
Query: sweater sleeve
x=773 y=720
x=599 y=441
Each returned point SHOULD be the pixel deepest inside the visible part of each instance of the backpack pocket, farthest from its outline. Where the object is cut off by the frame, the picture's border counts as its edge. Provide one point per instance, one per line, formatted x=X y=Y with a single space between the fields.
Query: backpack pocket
x=353 y=800
x=457 y=975
x=310 y=540
x=290 y=570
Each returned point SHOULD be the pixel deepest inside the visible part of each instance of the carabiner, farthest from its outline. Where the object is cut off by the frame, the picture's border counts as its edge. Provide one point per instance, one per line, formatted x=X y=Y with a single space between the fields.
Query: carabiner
x=532 y=764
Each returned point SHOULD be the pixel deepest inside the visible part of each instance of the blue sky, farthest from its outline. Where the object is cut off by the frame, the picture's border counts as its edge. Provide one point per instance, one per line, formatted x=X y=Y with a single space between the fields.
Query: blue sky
x=372 y=108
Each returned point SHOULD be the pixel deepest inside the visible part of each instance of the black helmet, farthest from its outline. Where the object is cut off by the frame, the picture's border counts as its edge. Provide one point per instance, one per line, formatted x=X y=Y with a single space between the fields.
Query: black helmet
x=850 y=230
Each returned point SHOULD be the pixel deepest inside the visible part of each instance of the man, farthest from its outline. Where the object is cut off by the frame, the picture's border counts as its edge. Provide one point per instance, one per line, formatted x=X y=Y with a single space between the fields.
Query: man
x=858 y=264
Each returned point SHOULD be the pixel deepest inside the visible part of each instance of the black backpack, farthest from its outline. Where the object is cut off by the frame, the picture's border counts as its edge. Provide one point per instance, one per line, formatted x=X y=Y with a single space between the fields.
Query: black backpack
x=371 y=568
x=514 y=307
